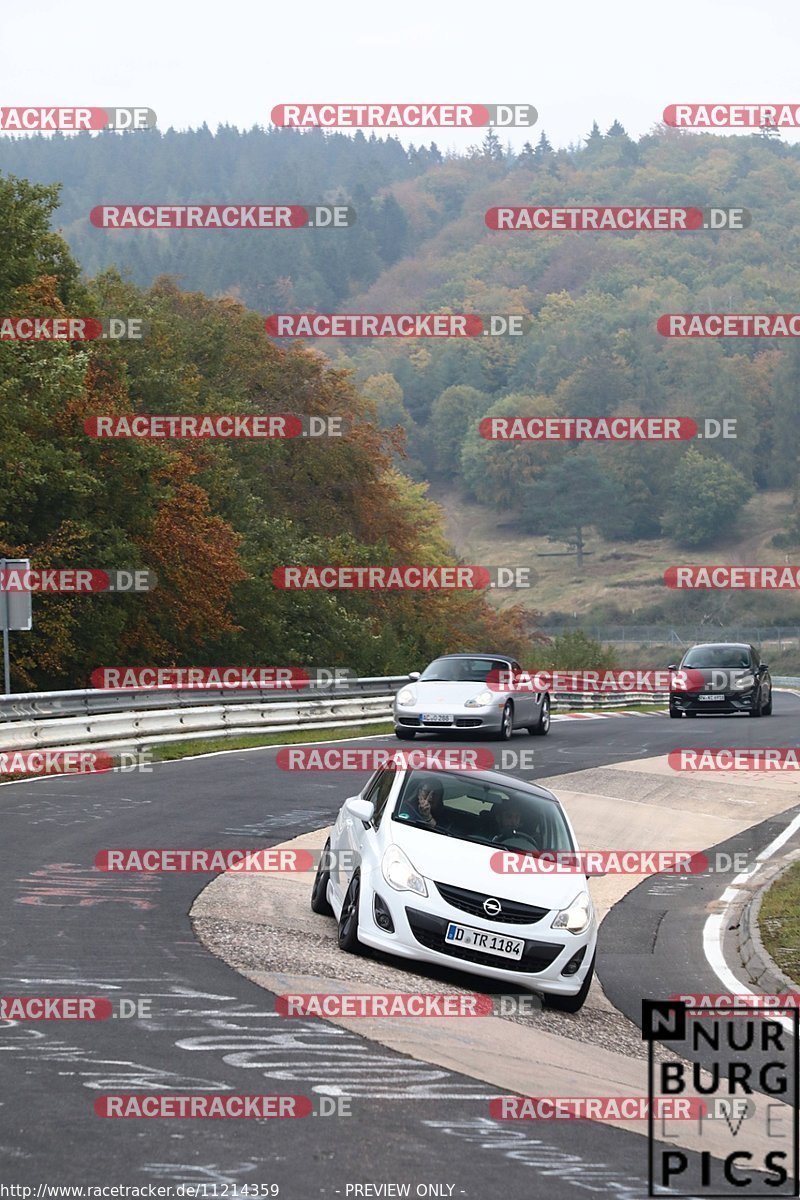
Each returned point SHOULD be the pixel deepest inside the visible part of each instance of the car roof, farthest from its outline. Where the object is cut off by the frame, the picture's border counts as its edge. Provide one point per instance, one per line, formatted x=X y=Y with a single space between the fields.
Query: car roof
x=476 y=654
x=719 y=646
x=493 y=778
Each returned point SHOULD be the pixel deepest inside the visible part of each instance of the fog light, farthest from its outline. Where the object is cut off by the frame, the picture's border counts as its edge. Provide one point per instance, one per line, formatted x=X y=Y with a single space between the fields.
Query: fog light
x=383 y=918
x=574 y=962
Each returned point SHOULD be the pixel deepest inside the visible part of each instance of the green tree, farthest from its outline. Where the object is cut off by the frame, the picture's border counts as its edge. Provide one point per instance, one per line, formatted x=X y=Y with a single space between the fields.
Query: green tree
x=453 y=414
x=544 y=152
x=707 y=496
x=568 y=499
x=492 y=147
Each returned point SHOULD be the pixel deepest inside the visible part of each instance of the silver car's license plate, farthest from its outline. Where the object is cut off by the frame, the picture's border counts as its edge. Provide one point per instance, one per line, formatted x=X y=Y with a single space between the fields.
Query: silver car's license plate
x=437 y=718
x=710 y=697
x=485 y=943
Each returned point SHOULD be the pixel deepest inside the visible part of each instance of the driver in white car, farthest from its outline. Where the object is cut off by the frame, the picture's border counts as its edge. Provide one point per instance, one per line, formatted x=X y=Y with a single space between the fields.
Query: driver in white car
x=508 y=818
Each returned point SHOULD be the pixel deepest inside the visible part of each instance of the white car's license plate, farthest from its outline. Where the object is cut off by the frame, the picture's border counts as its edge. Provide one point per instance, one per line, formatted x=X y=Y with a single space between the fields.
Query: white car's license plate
x=710 y=697
x=437 y=718
x=486 y=943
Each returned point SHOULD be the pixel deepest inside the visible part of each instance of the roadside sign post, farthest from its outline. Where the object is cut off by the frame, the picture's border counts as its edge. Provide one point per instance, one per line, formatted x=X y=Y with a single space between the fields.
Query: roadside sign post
x=15 y=612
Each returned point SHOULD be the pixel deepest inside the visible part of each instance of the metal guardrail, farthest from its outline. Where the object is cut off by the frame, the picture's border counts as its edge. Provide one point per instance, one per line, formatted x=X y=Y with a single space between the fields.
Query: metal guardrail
x=150 y=716
x=88 y=701
x=60 y=720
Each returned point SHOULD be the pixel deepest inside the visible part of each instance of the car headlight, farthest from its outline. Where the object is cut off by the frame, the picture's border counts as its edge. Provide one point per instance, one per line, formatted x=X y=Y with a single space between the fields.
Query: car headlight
x=480 y=701
x=576 y=917
x=744 y=681
x=400 y=873
x=406 y=696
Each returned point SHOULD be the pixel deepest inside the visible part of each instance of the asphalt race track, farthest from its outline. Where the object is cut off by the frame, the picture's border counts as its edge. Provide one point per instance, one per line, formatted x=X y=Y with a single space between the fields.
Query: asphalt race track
x=69 y=929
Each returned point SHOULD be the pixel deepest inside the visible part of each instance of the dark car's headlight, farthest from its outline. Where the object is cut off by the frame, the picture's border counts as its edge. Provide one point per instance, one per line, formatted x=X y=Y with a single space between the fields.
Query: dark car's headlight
x=743 y=682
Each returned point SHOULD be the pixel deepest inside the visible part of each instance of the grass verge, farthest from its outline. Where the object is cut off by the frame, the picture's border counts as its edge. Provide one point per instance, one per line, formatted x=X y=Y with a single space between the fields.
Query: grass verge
x=779 y=922
x=172 y=750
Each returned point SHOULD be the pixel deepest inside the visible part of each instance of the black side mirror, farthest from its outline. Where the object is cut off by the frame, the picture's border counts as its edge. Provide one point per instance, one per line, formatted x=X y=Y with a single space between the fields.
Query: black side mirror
x=764 y=666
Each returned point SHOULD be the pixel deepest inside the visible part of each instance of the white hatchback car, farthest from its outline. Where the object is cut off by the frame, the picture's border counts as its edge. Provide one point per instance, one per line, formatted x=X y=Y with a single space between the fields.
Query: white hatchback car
x=410 y=869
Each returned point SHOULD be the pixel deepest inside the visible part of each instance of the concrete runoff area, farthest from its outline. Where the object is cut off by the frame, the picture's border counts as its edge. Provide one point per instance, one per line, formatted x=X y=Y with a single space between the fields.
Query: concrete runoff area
x=262 y=925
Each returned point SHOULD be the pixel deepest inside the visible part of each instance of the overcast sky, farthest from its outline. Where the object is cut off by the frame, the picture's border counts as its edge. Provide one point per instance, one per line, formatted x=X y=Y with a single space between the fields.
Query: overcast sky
x=574 y=60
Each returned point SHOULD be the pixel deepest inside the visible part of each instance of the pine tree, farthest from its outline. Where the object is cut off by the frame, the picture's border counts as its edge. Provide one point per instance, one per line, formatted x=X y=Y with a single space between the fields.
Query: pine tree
x=491 y=147
x=543 y=149
x=595 y=138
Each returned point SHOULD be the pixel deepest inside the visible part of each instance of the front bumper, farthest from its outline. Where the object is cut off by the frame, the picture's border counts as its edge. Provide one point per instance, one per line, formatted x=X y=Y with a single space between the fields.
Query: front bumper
x=727 y=702
x=408 y=716
x=420 y=924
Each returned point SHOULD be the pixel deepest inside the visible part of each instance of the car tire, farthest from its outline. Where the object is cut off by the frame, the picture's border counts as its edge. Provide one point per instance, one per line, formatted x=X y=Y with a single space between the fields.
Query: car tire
x=758 y=708
x=347 y=933
x=319 y=892
x=506 y=722
x=675 y=713
x=405 y=735
x=768 y=705
x=573 y=1004
x=542 y=726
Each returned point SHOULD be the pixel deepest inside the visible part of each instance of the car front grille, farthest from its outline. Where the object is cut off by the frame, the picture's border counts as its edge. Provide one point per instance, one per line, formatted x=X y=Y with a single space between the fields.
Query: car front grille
x=512 y=912
x=430 y=932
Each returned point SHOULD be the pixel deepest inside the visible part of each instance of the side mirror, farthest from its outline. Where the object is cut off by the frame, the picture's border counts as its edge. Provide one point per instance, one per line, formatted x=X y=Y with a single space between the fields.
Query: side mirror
x=413 y=675
x=362 y=810
x=765 y=666
x=672 y=666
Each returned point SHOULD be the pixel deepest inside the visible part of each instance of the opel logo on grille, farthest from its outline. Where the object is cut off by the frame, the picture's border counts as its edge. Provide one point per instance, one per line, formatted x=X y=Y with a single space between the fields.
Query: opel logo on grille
x=491 y=906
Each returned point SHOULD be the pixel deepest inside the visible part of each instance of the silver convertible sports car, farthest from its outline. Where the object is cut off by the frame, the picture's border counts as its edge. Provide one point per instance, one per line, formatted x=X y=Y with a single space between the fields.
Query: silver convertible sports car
x=470 y=691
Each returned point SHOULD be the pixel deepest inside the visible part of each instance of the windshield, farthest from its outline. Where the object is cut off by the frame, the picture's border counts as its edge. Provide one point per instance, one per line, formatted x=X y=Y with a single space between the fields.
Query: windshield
x=462 y=670
x=490 y=814
x=732 y=657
